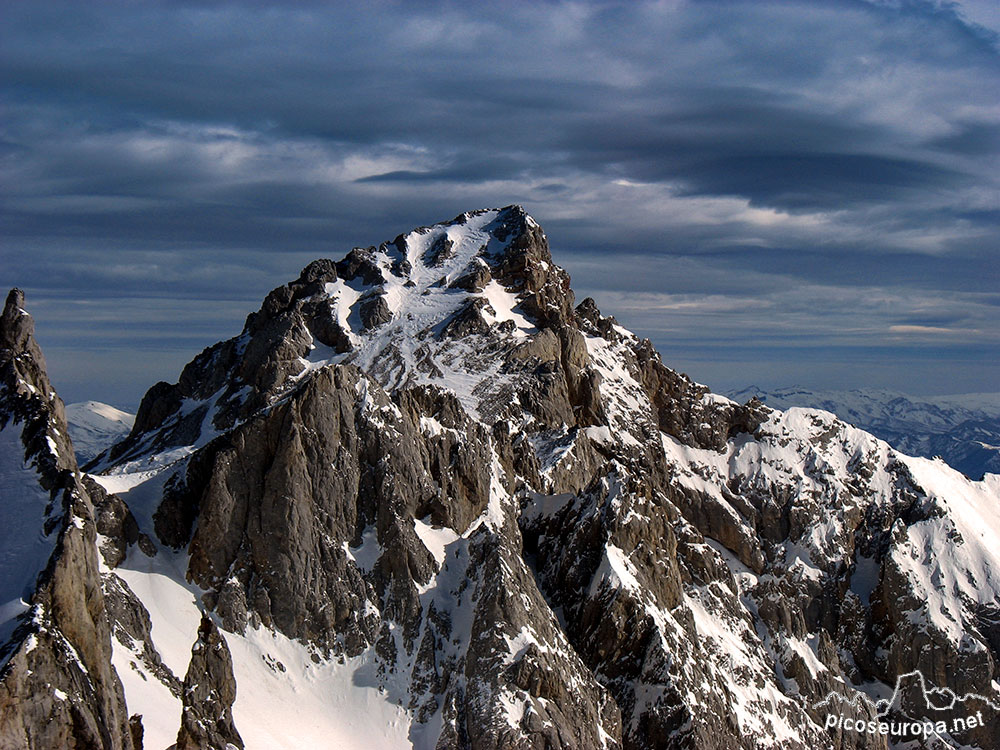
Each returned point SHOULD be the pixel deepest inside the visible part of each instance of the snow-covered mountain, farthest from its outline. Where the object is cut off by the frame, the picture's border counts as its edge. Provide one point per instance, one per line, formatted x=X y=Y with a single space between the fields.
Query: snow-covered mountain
x=424 y=500
x=964 y=430
x=94 y=427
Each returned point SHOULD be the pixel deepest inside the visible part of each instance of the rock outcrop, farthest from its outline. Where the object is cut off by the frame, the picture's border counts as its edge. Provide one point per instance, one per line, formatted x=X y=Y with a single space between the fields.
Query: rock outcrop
x=57 y=685
x=209 y=693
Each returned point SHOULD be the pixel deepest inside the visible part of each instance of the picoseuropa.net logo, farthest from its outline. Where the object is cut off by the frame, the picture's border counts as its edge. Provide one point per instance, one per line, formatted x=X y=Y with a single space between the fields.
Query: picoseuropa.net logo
x=913 y=712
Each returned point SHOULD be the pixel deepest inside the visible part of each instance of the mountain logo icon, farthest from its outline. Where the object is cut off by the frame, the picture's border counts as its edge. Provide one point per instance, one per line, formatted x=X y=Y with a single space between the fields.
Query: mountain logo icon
x=915 y=710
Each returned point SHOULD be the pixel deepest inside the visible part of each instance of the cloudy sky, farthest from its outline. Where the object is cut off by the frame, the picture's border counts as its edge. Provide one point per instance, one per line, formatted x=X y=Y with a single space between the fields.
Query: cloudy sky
x=776 y=193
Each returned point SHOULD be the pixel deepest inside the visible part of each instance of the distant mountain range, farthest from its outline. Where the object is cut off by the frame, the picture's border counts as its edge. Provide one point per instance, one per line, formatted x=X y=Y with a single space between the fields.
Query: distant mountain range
x=963 y=430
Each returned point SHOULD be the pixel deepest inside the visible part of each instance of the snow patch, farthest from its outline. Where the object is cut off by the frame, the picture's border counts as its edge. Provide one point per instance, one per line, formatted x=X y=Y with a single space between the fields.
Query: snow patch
x=435 y=539
x=289 y=697
x=504 y=304
x=25 y=548
x=173 y=604
x=368 y=552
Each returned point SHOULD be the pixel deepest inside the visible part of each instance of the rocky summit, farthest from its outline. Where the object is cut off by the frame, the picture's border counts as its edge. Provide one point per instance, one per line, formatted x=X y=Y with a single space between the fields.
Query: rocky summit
x=425 y=499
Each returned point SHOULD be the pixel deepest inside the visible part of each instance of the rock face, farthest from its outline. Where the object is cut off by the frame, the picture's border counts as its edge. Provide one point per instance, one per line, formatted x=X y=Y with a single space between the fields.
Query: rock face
x=57 y=685
x=209 y=692
x=424 y=499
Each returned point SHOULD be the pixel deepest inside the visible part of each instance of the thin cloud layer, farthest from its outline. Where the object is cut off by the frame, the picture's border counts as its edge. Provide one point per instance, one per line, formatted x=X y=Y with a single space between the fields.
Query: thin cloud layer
x=782 y=182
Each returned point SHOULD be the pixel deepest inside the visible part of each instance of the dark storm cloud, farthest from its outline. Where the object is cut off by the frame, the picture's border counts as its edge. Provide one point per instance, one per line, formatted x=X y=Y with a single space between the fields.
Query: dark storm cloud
x=473 y=168
x=972 y=139
x=732 y=150
x=348 y=78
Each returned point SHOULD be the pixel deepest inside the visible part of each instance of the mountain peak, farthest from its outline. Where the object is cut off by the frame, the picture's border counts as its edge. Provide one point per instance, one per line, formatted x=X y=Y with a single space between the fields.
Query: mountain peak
x=474 y=306
x=506 y=237
x=16 y=326
x=393 y=310
x=22 y=366
x=478 y=517
x=15 y=299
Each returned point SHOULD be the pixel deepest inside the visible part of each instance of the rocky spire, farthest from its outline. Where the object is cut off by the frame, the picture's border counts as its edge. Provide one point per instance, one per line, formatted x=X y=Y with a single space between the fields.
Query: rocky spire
x=57 y=685
x=208 y=695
